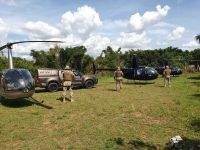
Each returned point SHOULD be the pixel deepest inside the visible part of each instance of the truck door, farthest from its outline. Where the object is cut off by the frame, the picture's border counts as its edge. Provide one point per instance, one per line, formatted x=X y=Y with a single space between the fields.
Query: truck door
x=1 y=81
x=60 y=73
x=77 y=79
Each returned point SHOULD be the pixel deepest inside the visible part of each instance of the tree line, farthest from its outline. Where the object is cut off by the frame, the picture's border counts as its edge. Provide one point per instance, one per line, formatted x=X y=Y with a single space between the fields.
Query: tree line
x=77 y=58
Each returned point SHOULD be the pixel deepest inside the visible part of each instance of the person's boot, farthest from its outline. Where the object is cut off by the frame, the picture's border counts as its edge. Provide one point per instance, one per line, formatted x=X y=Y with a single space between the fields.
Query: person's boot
x=71 y=99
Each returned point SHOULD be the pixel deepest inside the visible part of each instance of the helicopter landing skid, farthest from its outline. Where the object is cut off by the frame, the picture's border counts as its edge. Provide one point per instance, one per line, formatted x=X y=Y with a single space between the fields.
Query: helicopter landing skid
x=40 y=103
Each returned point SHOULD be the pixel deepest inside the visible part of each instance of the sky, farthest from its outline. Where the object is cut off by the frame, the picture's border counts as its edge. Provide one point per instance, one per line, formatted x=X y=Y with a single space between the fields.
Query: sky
x=96 y=24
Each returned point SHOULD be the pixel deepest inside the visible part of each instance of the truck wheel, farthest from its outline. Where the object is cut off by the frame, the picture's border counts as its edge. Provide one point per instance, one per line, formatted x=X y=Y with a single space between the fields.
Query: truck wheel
x=53 y=87
x=89 y=84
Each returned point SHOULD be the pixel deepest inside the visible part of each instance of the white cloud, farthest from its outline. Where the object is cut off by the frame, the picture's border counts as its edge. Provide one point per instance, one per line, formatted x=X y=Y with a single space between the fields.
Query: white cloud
x=139 y=23
x=191 y=45
x=4 y=29
x=82 y=22
x=40 y=30
x=3 y=26
x=9 y=2
x=110 y=24
x=164 y=25
x=176 y=33
x=24 y=50
x=162 y=43
x=72 y=40
x=96 y=43
x=158 y=31
x=133 y=40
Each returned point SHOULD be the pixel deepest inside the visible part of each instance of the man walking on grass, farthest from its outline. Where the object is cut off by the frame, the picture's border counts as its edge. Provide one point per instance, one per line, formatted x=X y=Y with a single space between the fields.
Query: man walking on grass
x=118 y=76
x=68 y=77
x=166 y=74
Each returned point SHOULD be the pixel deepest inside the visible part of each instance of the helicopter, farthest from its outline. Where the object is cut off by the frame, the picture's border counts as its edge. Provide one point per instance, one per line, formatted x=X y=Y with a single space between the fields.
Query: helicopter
x=136 y=72
x=16 y=83
x=174 y=70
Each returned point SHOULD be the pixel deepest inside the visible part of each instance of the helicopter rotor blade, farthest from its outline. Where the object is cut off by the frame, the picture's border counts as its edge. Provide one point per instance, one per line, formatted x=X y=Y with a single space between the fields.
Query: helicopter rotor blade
x=9 y=45
x=3 y=47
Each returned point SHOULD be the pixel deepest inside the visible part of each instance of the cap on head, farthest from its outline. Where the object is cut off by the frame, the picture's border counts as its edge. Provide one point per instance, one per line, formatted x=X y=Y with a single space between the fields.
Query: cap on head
x=67 y=67
x=118 y=68
x=167 y=67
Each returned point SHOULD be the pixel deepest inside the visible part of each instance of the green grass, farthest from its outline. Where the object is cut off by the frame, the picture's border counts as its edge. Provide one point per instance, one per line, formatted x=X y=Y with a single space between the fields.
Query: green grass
x=140 y=116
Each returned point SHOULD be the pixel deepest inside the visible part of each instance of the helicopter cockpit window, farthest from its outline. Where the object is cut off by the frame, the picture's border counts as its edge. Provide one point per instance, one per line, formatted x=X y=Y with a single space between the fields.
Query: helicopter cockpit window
x=27 y=78
x=139 y=71
x=150 y=71
x=13 y=81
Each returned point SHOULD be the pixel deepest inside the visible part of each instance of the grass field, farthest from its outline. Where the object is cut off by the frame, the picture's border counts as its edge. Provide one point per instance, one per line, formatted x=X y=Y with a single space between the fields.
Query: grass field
x=140 y=116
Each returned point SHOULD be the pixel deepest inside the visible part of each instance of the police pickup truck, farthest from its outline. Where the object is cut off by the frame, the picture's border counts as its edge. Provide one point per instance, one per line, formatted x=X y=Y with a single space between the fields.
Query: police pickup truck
x=51 y=79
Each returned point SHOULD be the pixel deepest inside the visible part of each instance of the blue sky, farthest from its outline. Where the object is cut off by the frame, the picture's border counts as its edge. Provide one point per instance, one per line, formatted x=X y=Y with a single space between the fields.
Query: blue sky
x=130 y=24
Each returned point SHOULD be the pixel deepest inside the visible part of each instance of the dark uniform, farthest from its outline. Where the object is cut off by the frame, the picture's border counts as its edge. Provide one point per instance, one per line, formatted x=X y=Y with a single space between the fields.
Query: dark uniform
x=118 y=76
x=67 y=83
x=166 y=74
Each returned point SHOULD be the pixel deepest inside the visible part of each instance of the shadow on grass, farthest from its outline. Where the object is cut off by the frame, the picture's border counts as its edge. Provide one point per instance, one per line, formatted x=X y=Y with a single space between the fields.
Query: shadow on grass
x=25 y=102
x=16 y=103
x=196 y=95
x=196 y=83
x=119 y=143
x=112 y=90
x=194 y=78
x=138 y=144
x=61 y=99
x=43 y=90
x=40 y=90
x=195 y=124
x=186 y=144
x=138 y=83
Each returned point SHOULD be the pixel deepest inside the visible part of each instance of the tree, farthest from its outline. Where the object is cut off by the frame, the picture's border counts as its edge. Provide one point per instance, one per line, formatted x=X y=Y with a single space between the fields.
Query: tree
x=72 y=56
x=23 y=63
x=87 y=63
x=111 y=58
x=197 y=37
x=40 y=58
x=3 y=63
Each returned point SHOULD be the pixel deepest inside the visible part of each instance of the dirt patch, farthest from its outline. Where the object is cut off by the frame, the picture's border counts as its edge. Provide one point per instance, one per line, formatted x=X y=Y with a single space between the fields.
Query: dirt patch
x=147 y=119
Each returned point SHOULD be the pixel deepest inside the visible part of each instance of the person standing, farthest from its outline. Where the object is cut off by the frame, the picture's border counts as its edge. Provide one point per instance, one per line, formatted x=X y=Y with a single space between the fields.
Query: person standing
x=167 y=78
x=198 y=68
x=68 y=77
x=118 y=76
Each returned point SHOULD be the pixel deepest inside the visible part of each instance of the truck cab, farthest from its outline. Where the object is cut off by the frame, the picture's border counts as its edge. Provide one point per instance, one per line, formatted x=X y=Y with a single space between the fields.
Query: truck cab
x=52 y=79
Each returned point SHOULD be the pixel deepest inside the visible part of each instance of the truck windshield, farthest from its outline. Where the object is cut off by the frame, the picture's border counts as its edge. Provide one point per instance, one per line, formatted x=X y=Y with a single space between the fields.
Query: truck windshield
x=77 y=73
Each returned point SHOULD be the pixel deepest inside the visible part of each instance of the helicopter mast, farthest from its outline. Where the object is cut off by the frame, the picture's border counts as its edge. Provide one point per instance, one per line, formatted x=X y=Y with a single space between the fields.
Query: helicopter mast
x=9 y=47
x=10 y=58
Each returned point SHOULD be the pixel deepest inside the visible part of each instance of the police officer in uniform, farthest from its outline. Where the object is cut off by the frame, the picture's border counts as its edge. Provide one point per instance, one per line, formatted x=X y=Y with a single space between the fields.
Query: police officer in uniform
x=118 y=76
x=166 y=74
x=68 y=77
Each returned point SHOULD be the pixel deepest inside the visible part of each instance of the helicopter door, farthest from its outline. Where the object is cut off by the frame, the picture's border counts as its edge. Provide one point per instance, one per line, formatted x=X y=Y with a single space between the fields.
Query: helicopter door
x=140 y=73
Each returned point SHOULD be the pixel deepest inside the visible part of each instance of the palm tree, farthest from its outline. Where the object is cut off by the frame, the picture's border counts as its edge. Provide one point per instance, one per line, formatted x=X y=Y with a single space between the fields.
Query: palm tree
x=197 y=37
